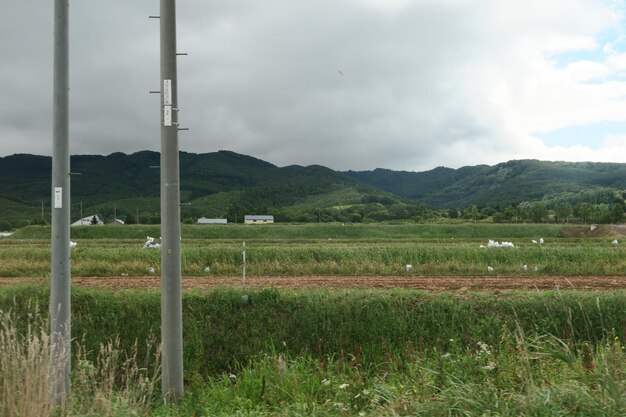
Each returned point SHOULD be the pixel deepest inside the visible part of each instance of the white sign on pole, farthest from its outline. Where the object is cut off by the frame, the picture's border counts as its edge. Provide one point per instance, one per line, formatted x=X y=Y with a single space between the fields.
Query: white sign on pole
x=167 y=92
x=58 y=197
x=167 y=116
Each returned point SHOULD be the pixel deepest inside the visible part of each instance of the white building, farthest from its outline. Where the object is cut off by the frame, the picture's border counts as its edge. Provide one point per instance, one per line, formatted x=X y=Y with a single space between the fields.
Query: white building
x=88 y=221
x=262 y=219
x=204 y=220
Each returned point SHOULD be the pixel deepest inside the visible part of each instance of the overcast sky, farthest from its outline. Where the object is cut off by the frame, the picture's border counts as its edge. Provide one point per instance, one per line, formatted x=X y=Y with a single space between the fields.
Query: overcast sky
x=349 y=84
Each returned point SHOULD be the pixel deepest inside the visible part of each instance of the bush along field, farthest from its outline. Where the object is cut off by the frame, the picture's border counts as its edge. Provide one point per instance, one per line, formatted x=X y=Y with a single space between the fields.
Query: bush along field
x=334 y=353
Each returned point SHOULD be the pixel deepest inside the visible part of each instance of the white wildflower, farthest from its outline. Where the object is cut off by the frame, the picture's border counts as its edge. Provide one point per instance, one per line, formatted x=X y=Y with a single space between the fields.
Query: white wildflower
x=484 y=348
x=490 y=366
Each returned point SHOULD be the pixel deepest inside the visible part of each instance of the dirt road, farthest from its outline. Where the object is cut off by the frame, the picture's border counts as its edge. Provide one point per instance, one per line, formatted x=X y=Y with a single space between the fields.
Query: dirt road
x=478 y=283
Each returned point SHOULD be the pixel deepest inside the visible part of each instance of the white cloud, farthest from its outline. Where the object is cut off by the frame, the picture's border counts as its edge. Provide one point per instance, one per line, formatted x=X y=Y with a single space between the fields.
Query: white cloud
x=617 y=142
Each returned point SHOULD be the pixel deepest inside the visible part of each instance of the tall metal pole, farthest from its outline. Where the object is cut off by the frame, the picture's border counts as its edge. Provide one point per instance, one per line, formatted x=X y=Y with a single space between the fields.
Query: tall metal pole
x=60 y=328
x=171 y=297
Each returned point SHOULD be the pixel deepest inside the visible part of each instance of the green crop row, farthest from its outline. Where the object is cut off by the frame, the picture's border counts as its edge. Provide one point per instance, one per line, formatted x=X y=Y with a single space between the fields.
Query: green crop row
x=437 y=257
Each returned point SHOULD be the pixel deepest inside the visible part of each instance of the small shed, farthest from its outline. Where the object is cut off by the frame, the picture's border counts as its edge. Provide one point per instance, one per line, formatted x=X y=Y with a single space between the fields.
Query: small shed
x=204 y=220
x=117 y=221
x=258 y=219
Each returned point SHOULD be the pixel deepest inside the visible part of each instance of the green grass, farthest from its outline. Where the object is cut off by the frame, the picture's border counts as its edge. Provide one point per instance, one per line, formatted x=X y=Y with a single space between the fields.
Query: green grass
x=221 y=330
x=364 y=352
x=314 y=231
x=518 y=376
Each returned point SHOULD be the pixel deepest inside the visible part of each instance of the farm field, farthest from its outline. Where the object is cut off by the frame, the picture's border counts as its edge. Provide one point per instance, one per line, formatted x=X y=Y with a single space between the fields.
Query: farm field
x=337 y=324
x=378 y=254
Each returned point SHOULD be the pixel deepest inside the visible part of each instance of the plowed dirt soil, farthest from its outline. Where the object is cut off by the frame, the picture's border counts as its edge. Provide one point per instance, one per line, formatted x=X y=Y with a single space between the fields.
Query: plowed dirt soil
x=442 y=283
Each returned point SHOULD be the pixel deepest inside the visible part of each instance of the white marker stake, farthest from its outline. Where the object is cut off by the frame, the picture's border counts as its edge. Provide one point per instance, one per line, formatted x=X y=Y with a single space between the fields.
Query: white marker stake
x=244 y=269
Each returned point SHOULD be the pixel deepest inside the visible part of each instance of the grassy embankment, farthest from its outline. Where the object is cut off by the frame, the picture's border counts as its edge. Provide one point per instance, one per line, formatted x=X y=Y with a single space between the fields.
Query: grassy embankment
x=376 y=353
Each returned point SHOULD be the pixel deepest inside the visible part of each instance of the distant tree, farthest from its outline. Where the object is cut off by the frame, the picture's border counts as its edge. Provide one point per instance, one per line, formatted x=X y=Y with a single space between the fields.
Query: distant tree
x=523 y=210
x=617 y=213
x=423 y=212
x=538 y=211
x=398 y=211
x=376 y=212
x=499 y=217
x=563 y=210
x=486 y=211
x=584 y=211
x=510 y=213
x=601 y=213
x=474 y=213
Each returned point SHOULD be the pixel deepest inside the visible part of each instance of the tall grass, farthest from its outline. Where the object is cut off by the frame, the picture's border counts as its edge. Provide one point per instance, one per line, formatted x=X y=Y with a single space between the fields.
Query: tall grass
x=112 y=384
x=341 y=353
x=222 y=330
x=24 y=364
x=516 y=375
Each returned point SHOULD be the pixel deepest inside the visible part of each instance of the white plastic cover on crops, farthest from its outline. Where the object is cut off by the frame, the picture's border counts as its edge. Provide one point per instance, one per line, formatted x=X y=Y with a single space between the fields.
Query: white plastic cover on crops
x=494 y=244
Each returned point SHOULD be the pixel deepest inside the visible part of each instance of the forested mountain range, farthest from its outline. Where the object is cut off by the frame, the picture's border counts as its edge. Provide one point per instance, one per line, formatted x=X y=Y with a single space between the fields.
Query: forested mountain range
x=501 y=184
x=227 y=184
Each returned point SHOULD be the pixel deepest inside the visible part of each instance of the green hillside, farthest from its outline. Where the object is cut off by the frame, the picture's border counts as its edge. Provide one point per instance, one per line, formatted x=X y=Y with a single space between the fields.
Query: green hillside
x=499 y=185
x=219 y=184
x=228 y=185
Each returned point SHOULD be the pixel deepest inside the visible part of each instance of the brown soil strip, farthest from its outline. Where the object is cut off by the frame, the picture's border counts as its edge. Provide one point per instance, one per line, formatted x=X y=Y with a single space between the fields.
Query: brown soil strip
x=444 y=283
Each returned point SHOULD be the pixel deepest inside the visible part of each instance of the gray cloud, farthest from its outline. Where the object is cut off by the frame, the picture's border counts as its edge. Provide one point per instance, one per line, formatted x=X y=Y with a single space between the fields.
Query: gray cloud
x=339 y=83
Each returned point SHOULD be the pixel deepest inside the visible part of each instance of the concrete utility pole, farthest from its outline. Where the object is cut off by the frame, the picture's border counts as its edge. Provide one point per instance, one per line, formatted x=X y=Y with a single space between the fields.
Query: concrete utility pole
x=60 y=328
x=171 y=297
